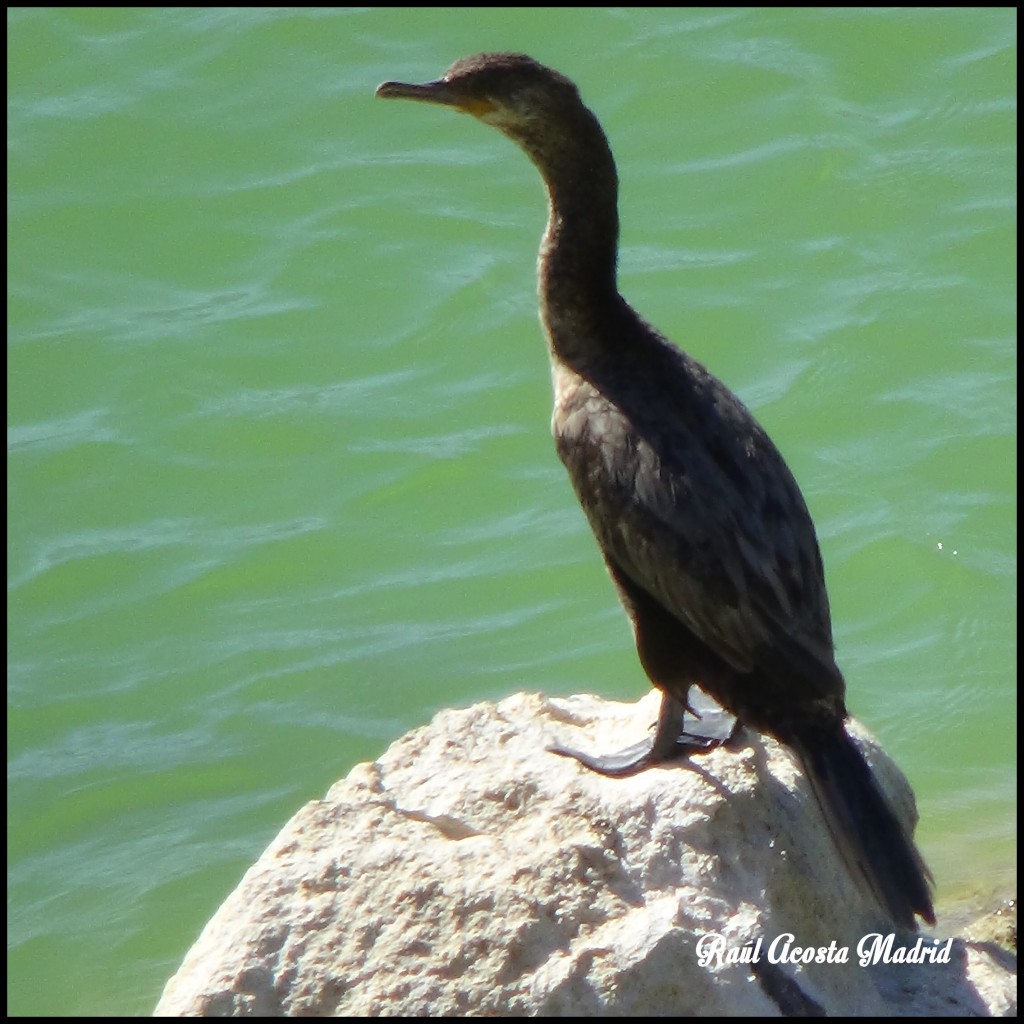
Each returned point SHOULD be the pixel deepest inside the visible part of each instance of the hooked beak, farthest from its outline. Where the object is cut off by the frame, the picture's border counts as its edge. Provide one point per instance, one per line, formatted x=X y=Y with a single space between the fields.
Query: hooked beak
x=439 y=91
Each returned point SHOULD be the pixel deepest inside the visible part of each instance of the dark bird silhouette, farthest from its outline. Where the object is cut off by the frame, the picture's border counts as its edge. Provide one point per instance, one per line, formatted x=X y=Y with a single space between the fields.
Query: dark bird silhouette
x=702 y=526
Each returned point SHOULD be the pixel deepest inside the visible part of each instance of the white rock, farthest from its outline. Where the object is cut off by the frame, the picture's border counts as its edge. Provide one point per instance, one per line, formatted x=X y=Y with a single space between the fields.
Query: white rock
x=469 y=872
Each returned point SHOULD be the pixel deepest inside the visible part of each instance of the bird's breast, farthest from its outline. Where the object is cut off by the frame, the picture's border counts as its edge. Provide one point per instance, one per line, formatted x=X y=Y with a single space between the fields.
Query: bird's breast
x=604 y=453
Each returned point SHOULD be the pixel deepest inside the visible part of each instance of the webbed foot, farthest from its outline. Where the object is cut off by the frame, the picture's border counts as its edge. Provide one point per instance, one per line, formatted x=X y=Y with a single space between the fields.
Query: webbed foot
x=640 y=756
x=669 y=742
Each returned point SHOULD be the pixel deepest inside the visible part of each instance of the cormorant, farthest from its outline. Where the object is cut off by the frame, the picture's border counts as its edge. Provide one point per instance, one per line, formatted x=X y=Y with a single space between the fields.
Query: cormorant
x=701 y=524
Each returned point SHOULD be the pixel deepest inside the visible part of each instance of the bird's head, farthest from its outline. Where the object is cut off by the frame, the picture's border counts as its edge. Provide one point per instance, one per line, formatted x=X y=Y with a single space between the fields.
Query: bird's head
x=507 y=90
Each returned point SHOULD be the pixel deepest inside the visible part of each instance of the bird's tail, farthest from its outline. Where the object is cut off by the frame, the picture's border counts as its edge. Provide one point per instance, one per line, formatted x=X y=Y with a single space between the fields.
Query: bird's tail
x=865 y=828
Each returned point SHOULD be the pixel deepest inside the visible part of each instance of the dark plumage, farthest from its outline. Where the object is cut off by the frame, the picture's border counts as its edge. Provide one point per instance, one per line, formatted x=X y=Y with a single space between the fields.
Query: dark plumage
x=701 y=524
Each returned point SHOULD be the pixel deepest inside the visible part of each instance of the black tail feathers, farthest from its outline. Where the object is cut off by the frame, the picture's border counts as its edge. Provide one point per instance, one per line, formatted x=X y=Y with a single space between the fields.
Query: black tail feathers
x=867 y=832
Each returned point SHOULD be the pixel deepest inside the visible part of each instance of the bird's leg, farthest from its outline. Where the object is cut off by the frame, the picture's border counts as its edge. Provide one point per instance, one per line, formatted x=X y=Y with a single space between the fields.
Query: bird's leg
x=668 y=743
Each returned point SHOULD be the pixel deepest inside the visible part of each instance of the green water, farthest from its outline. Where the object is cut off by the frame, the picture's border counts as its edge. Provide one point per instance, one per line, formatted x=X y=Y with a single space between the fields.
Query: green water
x=280 y=484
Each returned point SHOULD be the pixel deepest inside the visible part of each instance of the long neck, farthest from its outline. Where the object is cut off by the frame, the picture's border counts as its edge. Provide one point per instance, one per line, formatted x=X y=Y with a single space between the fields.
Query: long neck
x=577 y=263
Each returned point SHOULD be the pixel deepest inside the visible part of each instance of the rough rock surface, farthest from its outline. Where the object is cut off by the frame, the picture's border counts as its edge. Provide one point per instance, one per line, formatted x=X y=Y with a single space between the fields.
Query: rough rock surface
x=469 y=872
